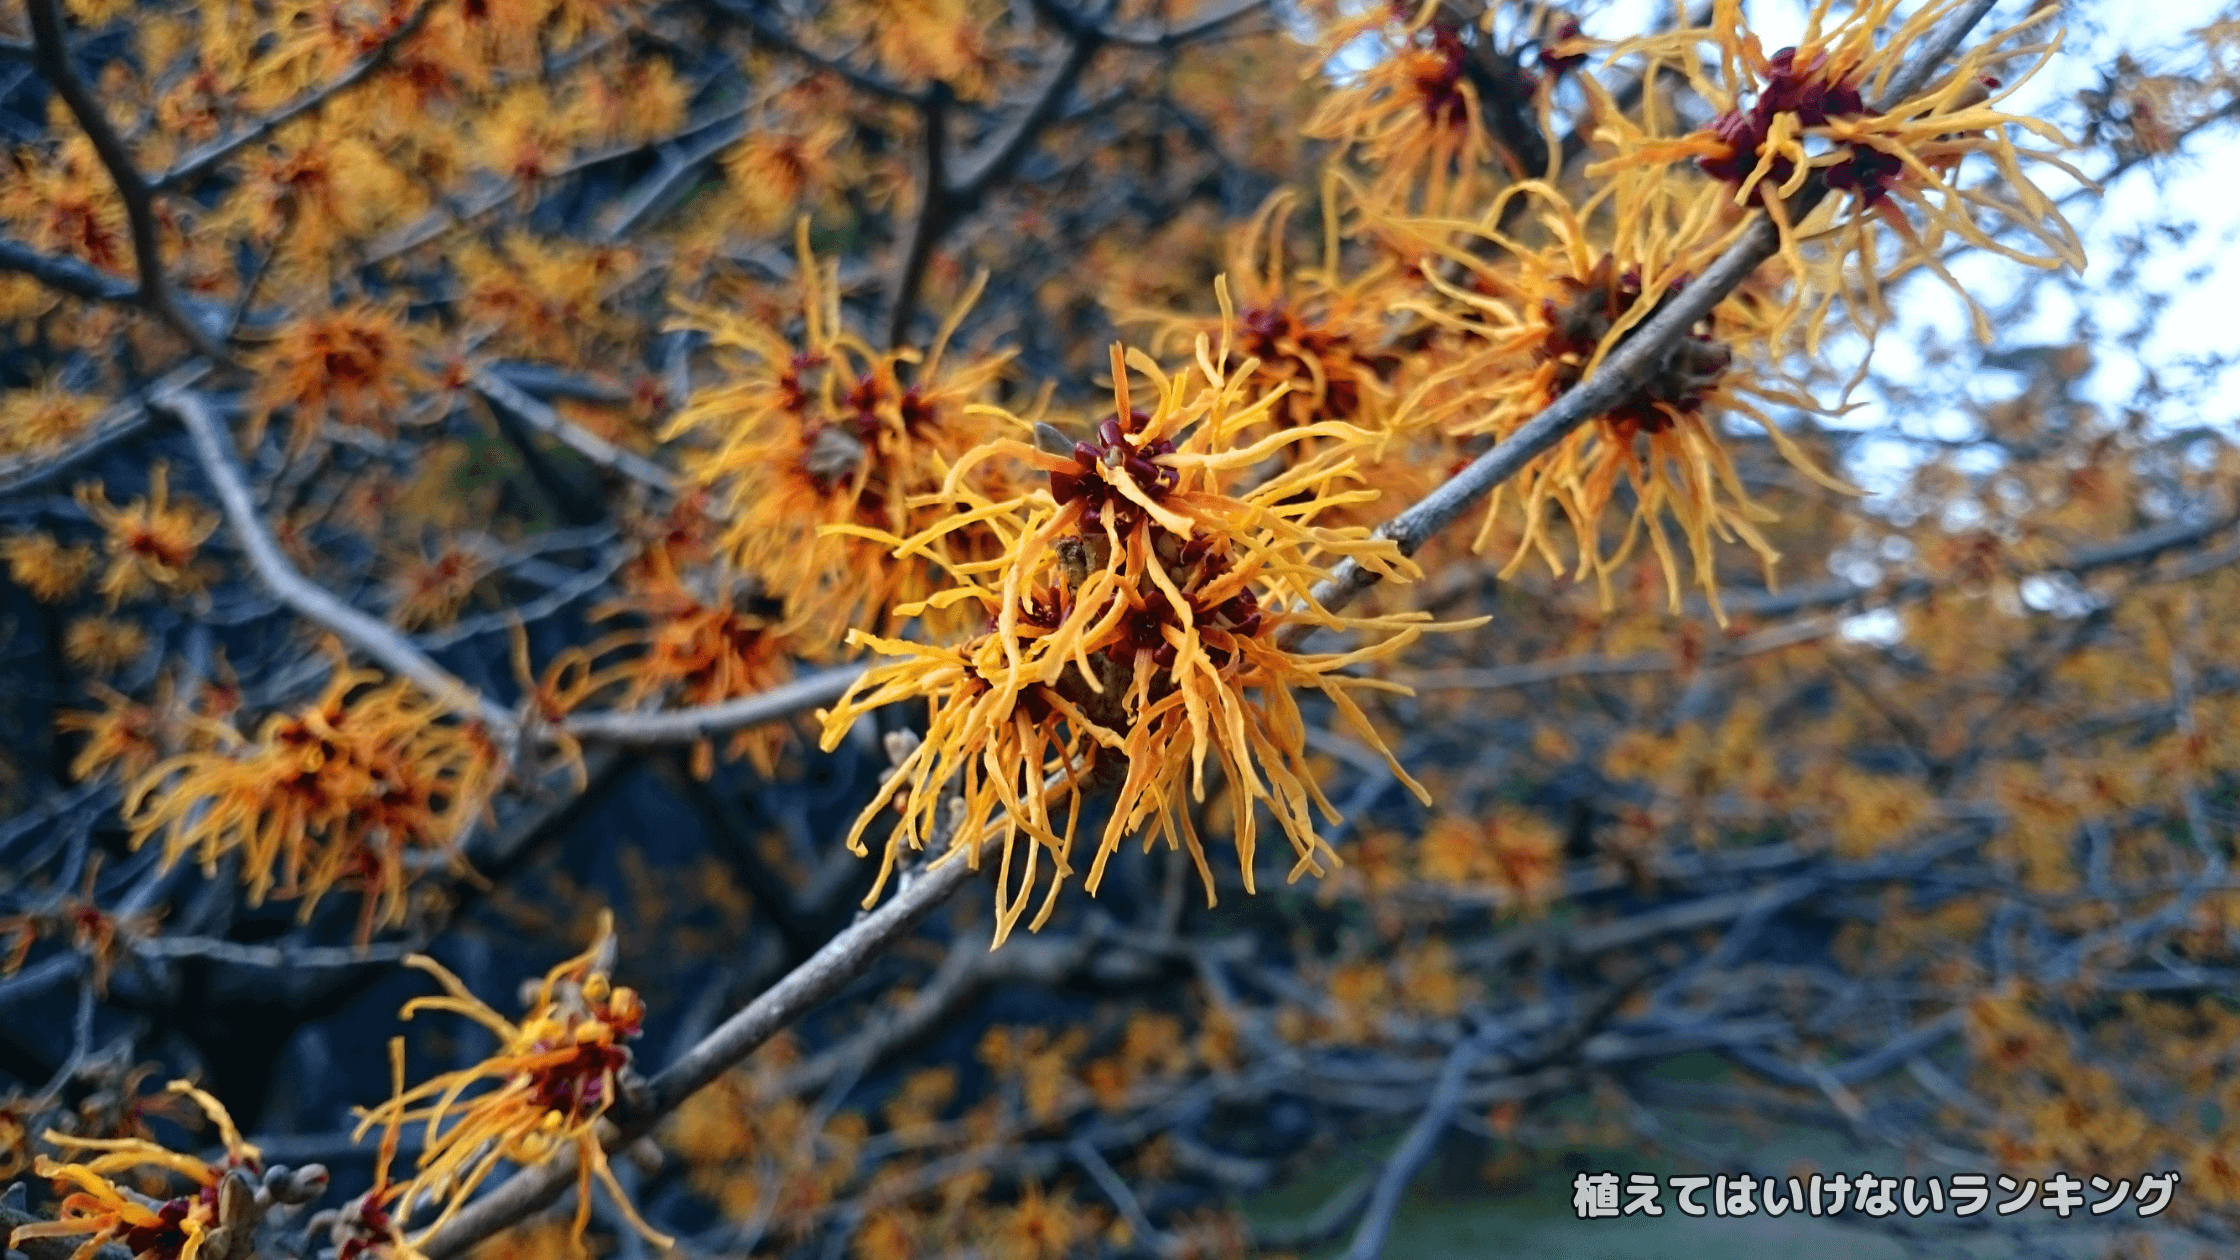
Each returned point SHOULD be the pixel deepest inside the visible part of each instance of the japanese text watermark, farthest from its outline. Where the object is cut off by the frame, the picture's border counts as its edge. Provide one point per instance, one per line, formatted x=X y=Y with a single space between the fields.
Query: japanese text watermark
x=1604 y=1195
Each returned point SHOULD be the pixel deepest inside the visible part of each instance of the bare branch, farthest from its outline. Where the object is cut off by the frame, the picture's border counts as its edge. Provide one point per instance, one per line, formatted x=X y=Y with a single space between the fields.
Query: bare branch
x=546 y=381
x=1888 y=1057
x=751 y=15
x=970 y=967
x=1502 y=678
x=1321 y=1226
x=1123 y=1199
x=1384 y=1201
x=2138 y=548
x=67 y=275
x=935 y=212
x=41 y=976
x=119 y=422
x=1157 y=39
x=315 y=603
x=1622 y=371
x=683 y=726
x=996 y=159
x=1595 y=664
x=270 y=957
x=663 y=187
x=943 y=201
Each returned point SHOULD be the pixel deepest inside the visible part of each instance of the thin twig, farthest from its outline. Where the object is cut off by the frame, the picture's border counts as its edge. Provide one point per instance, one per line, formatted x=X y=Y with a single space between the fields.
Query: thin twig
x=154 y=292
x=1324 y=1224
x=205 y=159
x=1384 y=1201
x=944 y=202
x=684 y=726
x=64 y=275
x=847 y=956
x=994 y=161
x=750 y=14
x=269 y=957
x=1161 y=39
x=121 y=421
x=935 y=212
x=663 y=187
x=1595 y=664
x=970 y=967
x=2141 y=547
x=41 y=976
x=1123 y=1199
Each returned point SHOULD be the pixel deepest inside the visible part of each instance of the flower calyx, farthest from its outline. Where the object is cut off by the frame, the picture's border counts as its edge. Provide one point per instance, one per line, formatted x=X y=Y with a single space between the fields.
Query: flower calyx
x=1104 y=462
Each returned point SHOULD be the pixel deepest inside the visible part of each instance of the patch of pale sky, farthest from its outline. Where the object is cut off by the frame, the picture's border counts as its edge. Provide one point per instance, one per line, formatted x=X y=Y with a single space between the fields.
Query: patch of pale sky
x=2203 y=185
x=2200 y=186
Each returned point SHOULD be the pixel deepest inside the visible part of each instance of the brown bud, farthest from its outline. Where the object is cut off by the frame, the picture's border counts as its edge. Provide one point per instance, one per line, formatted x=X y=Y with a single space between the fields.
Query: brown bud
x=302 y=1185
x=237 y=1197
x=1052 y=440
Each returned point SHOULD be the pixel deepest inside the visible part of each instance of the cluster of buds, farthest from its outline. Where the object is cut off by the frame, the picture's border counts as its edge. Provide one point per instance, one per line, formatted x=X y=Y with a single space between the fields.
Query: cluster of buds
x=1326 y=369
x=1114 y=448
x=841 y=443
x=1801 y=92
x=218 y=1219
x=1439 y=78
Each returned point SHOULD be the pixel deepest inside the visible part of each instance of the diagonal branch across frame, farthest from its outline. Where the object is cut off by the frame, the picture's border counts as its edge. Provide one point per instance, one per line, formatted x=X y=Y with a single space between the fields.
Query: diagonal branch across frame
x=850 y=953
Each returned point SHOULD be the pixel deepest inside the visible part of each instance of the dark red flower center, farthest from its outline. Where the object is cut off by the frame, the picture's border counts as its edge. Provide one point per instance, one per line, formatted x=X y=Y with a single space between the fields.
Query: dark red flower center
x=1805 y=91
x=577 y=1085
x=1115 y=450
